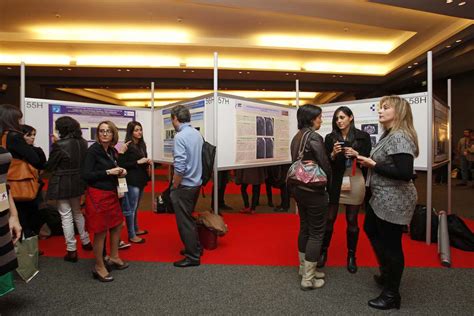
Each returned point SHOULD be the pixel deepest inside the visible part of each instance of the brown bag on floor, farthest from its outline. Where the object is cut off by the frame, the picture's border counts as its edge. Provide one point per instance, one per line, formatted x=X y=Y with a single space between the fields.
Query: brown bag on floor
x=213 y=222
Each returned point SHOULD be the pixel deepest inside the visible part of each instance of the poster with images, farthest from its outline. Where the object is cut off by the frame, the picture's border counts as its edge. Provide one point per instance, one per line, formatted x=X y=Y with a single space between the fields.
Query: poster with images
x=440 y=139
x=168 y=132
x=262 y=132
x=89 y=118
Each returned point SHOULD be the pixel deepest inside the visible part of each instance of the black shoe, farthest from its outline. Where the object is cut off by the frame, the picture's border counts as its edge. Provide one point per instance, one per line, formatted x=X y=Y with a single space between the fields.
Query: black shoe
x=87 y=247
x=109 y=264
x=351 y=262
x=71 y=256
x=97 y=276
x=386 y=300
x=143 y=232
x=322 y=258
x=186 y=262
x=225 y=207
x=182 y=251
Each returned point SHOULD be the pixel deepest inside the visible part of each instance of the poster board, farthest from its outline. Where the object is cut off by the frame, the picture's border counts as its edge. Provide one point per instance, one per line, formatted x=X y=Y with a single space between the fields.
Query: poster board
x=42 y=113
x=440 y=139
x=366 y=119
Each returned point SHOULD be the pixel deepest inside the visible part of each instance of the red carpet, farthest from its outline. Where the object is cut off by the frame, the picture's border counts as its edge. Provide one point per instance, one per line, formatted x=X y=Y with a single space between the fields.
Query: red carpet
x=261 y=239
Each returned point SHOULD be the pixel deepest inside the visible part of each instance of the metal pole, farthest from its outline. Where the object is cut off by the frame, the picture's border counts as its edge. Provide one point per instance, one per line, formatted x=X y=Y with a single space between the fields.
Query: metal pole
x=297 y=93
x=22 y=91
x=429 y=168
x=216 y=176
x=153 y=201
x=449 y=147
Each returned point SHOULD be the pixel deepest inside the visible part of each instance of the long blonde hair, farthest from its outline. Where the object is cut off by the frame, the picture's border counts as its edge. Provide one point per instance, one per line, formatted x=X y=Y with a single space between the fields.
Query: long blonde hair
x=403 y=120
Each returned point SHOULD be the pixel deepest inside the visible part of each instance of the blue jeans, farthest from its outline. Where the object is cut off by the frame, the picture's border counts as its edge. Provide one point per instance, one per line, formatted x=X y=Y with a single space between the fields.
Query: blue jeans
x=130 y=209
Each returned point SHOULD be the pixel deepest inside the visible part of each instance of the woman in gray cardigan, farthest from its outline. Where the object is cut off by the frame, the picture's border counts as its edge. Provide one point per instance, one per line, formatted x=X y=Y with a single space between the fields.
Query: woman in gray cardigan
x=394 y=196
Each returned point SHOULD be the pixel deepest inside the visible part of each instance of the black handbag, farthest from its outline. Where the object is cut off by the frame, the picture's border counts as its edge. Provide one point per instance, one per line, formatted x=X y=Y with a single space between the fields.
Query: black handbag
x=460 y=236
x=418 y=224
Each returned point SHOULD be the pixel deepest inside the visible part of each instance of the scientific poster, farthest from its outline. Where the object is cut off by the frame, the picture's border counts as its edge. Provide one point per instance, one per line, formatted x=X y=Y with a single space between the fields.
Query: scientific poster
x=89 y=118
x=440 y=146
x=197 y=121
x=262 y=132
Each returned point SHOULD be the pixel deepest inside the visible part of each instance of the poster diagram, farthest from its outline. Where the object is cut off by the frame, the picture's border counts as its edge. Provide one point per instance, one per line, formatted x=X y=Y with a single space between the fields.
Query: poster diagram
x=262 y=132
x=168 y=132
x=89 y=118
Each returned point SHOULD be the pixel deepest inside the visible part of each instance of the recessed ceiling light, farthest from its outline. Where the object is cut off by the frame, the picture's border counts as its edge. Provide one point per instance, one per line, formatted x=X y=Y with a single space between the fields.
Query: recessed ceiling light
x=9 y=68
x=128 y=70
x=69 y=69
x=415 y=64
x=458 y=41
x=294 y=74
x=240 y=72
x=119 y=70
x=287 y=74
x=449 y=1
x=461 y=3
x=409 y=66
x=192 y=70
x=248 y=72
x=448 y=46
x=341 y=76
x=184 y=70
x=334 y=76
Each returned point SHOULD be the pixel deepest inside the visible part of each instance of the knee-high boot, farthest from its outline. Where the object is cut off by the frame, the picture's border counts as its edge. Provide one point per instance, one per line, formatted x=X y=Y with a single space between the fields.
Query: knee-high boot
x=352 y=238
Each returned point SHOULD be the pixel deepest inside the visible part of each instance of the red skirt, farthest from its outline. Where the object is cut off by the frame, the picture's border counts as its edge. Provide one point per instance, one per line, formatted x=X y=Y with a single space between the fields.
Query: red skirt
x=103 y=210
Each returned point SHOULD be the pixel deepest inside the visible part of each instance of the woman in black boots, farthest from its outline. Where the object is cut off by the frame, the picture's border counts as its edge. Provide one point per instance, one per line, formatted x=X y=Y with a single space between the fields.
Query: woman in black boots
x=394 y=196
x=348 y=183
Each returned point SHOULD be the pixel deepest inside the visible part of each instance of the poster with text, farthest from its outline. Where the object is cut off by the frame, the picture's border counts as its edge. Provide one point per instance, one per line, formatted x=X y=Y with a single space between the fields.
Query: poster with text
x=262 y=132
x=89 y=118
x=197 y=121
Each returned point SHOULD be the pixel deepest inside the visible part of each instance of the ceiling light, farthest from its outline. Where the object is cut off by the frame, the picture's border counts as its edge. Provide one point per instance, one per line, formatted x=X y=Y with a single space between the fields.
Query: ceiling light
x=127 y=60
x=128 y=70
x=35 y=59
x=409 y=66
x=119 y=70
x=458 y=41
x=9 y=68
x=180 y=95
x=449 y=1
x=415 y=64
x=334 y=67
x=325 y=43
x=111 y=34
x=448 y=46
x=461 y=3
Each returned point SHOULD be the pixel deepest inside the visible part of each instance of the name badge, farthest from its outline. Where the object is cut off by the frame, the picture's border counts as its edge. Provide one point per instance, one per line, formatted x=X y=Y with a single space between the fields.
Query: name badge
x=4 y=203
x=122 y=187
x=346 y=183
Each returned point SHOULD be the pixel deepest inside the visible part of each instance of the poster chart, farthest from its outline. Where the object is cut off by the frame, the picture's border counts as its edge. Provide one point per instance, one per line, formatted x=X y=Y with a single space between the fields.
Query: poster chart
x=366 y=119
x=89 y=118
x=168 y=132
x=42 y=114
x=440 y=140
x=262 y=132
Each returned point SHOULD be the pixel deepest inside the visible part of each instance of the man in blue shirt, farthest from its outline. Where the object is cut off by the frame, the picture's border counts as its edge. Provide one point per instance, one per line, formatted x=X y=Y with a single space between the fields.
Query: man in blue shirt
x=187 y=155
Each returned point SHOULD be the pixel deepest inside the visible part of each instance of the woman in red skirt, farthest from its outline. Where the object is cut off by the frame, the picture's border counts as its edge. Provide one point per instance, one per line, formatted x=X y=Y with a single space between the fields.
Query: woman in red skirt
x=103 y=211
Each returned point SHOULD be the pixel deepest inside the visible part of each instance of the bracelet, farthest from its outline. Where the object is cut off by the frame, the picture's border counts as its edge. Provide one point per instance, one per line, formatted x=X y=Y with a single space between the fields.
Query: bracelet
x=107 y=172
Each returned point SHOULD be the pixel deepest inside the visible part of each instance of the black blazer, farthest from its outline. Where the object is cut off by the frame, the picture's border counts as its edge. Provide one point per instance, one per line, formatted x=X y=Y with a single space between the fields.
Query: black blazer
x=95 y=165
x=65 y=162
x=361 y=144
x=137 y=175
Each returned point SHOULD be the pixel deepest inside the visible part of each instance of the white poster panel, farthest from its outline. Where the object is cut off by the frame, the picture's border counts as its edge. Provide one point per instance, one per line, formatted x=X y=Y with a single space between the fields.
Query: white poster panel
x=366 y=118
x=41 y=114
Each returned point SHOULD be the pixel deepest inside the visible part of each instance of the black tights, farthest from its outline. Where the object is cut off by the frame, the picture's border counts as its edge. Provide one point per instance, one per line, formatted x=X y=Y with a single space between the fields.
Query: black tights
x=255 y=195
x=352 y=232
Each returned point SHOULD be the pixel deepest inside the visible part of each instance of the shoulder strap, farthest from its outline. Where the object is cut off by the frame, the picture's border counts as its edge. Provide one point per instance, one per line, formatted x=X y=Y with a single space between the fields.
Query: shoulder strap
x=303 y=142
x=4 y=139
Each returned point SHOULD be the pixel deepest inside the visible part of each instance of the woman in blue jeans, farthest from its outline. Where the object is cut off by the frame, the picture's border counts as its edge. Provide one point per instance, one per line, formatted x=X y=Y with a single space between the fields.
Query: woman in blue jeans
x=134 y=158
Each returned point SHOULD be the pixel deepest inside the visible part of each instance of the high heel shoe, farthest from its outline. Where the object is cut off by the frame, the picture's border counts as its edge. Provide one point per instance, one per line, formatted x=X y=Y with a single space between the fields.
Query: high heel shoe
x=386 y=300
x=97 y=276
x=117 y=266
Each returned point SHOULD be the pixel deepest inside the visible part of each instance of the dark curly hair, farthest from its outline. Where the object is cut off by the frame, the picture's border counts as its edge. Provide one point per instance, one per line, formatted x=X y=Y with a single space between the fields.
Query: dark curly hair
x=68 y=127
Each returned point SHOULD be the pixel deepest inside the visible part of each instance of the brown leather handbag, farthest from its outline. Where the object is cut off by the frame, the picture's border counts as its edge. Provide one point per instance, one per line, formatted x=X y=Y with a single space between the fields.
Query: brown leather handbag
x=22 y=178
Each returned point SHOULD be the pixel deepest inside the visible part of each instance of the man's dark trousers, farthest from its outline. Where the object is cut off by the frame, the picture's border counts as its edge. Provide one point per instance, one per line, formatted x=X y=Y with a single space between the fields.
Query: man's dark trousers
x=184 y=200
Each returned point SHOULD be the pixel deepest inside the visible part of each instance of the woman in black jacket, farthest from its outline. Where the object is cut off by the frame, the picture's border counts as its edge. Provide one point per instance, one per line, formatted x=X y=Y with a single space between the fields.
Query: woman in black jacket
x=312 y=202
x=134 y=159
x=20 y=145
x=65 y=185
x=343 y=145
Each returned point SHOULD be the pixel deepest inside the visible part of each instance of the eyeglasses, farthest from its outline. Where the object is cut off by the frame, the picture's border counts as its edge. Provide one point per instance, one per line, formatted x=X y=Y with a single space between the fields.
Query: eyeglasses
x=105 y=131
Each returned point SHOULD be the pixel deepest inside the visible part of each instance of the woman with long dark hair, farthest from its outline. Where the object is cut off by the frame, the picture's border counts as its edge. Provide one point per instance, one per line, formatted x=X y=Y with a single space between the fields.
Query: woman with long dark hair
x=10 y=228
x=343 y=145
x=134 y=159
x=394 y=195
x=103 y=211
x=312 y=201
x=65 y=185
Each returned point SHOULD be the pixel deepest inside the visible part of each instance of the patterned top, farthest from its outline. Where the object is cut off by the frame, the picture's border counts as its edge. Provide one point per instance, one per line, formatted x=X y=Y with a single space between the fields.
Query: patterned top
x=392 y=200
x=7 y=253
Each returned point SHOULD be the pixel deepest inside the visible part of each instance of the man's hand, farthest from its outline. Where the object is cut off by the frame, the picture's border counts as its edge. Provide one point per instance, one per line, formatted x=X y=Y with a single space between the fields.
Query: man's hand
x=177 y=180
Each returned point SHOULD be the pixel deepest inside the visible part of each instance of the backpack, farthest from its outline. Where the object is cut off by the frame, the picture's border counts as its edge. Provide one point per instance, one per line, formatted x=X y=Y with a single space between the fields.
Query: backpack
x=418 y=224
x=208 y=157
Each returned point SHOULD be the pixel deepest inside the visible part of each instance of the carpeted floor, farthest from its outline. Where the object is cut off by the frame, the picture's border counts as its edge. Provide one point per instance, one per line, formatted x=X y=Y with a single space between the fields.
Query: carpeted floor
x=147 y=288
x=261 y=239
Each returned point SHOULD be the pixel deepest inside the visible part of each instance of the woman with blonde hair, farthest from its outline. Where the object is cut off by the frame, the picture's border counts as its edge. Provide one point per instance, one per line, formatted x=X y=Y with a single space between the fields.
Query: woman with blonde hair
x=394 y=195
x=103 y=211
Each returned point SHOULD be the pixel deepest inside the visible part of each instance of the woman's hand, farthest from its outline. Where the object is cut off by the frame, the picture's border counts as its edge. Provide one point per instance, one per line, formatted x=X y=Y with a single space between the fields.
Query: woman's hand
x=124 y=147
x=117 y=171
x=15 y=228
x=366 y=162
x=336 y=148
x=350 y=152
x=144 y=160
